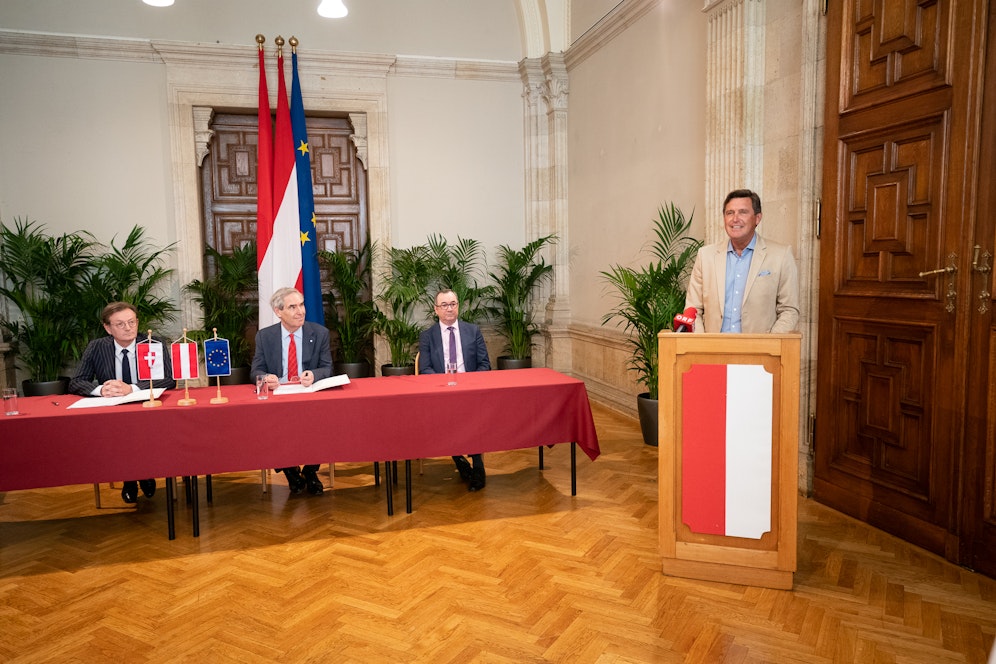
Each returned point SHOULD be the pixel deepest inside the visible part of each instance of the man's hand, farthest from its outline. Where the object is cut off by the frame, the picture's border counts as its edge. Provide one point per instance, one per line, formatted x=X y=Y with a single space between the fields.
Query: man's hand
x=115 y=388
x=307 y=378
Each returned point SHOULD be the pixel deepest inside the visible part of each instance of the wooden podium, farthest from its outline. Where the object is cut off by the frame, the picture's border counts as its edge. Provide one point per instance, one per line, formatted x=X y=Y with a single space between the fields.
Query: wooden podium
x=728 y=456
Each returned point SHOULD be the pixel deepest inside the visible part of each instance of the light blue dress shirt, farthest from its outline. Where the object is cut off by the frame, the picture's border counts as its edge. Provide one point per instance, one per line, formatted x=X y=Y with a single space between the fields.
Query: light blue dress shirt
x=737 y=269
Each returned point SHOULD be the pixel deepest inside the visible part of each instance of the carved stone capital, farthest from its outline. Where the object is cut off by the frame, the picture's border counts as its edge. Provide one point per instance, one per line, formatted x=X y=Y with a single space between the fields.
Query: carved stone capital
x=359 y=136
x=202 y=132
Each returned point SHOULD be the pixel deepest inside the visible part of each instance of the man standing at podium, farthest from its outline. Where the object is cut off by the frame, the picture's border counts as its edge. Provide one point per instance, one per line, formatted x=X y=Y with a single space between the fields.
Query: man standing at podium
x=745 y=283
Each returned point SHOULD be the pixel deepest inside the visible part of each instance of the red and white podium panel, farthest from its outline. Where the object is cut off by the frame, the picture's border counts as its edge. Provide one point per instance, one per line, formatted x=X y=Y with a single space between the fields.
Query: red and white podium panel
x=728 y=456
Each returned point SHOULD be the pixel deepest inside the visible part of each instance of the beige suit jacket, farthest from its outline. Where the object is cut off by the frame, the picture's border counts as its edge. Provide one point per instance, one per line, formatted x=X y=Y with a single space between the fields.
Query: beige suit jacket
x=771 y=298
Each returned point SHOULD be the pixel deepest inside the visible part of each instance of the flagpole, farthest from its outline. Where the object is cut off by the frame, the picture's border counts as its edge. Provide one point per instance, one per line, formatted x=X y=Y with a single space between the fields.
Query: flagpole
x=218 y=398
x=186 y=400
x=152 y=402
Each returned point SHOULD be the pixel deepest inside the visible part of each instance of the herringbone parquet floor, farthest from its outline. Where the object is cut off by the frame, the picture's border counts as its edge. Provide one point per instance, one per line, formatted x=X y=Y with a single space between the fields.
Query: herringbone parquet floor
x=521 y=572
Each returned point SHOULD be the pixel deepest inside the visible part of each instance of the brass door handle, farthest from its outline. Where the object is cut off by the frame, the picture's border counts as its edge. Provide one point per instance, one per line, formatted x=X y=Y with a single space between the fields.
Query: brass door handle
x=982 y=268
x=950 y=294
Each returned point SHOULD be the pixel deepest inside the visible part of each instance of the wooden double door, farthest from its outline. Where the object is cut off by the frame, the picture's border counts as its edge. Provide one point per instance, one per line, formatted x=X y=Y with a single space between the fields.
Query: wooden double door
x=905 y=435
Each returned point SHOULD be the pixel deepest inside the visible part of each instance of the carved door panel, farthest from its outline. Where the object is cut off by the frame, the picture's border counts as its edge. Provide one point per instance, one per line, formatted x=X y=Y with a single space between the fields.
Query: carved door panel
x=895 y=345
x=228 y=184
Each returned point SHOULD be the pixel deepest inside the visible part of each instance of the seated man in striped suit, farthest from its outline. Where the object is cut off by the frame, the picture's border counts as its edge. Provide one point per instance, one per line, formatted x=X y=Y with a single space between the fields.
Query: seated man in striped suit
x=108 y=369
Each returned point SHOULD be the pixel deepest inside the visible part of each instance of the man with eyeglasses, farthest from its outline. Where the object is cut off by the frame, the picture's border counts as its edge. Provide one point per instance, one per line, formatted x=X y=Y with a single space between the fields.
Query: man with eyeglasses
x=290 y=351
x=108 y=369
x=453 y=341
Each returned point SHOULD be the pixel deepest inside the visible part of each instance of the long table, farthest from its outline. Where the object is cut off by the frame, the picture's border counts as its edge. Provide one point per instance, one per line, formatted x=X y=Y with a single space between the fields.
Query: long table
x=368 y=420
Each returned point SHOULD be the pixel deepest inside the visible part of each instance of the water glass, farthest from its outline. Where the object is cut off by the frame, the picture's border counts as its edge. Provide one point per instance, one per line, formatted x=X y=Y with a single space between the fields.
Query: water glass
x=262 y=388
x=10 y=401
x=451 y=371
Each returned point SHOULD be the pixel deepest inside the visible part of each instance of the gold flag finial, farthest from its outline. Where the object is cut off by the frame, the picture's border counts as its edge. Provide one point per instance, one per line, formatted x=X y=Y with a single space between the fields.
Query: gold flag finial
x=293 y=44
x=279 y=41
x=260 y=40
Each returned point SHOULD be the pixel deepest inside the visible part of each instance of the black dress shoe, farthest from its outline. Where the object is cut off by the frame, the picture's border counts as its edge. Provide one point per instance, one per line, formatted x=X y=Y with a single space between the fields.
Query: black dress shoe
x=148 y=487
x=295 y=482
x=129 y=492
x=463 y=467
x=315 y=486
x=477 y=480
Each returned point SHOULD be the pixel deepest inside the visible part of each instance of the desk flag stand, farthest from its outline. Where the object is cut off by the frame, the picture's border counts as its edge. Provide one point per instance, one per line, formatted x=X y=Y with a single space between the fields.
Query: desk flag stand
x=222 y=361
x=186 y=400
x=152 y=402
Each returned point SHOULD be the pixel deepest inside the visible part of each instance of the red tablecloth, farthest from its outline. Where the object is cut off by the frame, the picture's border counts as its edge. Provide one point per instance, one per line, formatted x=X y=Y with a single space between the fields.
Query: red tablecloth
x=371 y=419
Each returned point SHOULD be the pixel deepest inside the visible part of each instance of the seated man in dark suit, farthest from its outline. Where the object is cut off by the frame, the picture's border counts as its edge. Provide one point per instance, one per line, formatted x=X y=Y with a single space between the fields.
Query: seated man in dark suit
x=293 y=350
x=454 y=341
x=108 y=369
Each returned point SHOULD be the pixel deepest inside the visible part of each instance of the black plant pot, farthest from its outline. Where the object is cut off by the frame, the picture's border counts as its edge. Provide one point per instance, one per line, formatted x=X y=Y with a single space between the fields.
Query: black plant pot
x=239 y=376
x=647 y=409
x=391 y=370
x=353 y=369
x=506 y=362
x=45 y=388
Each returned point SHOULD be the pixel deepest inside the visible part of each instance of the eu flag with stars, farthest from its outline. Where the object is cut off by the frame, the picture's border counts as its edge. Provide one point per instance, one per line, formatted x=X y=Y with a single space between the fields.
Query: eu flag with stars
x=311 y=281
x=217 y=358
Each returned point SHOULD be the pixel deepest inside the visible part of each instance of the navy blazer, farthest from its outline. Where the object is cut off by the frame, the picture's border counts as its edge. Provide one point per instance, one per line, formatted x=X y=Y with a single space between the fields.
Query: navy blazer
x=472 y=346
x=97 y=366
x=316 y=352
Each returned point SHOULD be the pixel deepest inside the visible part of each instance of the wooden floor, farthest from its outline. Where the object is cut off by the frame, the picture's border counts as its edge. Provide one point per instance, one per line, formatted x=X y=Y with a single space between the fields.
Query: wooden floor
x=520 y=572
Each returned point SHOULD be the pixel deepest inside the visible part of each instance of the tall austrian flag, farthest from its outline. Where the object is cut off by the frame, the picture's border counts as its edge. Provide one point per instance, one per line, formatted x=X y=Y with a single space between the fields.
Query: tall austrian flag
x=264 y=196
x=184 y=360
x=311 y=281
x=726 y=449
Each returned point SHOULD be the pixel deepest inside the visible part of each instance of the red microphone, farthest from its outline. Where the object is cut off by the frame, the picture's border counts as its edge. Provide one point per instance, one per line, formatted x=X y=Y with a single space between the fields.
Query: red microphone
x=685 y=322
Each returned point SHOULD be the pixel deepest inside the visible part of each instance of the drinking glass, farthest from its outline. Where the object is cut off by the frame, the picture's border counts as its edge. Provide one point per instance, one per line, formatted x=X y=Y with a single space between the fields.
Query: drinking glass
x=451 y=371
x=10 y=401
x=262 y=388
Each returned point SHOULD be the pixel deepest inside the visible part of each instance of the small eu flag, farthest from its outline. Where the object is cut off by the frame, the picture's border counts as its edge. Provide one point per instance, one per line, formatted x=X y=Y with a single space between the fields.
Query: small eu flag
x=217 y=359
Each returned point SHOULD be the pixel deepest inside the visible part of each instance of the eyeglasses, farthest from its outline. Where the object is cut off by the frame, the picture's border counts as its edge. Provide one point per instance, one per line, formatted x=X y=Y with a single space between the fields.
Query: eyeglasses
x=125 y=324
x=447 y=305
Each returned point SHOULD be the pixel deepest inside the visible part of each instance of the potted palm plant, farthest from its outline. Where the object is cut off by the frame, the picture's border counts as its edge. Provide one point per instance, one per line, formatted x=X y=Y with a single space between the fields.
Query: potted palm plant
x=227 y=298
x=517 y=276
x=404 y=292
x=351 y=311
x=133 y=272
x=649 y=298
x=43 y=276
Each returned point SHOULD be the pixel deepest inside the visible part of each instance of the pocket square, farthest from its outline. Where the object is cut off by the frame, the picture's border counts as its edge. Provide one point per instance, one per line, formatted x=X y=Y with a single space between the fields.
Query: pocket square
x=764 y=273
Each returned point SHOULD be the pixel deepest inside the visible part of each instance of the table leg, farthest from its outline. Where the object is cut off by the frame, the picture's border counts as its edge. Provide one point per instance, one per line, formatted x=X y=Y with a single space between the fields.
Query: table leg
x=574 y=469
x=195 y=515
x=170 y=514
x=210 y=493
x=540 y=448
x=376 y=473
x=408 y=486
x=389 y=488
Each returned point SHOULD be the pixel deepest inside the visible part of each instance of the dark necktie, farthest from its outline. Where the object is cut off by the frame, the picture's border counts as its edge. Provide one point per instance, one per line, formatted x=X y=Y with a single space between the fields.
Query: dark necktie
x=125 y=367
x=453 y=352
x=291 y=360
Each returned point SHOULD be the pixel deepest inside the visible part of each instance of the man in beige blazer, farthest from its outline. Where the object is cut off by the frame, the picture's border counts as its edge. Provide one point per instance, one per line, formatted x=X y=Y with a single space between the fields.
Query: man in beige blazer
x=746 y=283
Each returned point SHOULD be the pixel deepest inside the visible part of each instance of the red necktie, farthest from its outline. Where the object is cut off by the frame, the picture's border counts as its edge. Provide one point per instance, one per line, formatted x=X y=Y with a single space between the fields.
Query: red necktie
x=291 y=360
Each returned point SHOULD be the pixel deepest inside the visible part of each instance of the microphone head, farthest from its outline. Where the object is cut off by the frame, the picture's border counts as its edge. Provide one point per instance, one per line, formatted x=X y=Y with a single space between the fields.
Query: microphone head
x=685 y=321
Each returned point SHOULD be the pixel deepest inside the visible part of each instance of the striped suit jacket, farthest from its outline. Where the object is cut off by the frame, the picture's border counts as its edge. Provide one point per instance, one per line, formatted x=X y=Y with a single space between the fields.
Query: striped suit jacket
x=97 y=367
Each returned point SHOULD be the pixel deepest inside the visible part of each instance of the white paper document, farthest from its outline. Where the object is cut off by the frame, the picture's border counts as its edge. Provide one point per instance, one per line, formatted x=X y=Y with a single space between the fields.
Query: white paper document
x=98 y=402
x=323 y=384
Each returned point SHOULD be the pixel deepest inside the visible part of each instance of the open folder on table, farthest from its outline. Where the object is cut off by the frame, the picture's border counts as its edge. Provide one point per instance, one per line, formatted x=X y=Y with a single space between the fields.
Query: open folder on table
x=97 y=402
x=323 y=384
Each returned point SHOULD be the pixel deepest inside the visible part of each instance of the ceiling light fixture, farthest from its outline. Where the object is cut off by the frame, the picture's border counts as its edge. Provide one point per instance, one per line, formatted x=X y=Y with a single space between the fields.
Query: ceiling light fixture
x=332 y=9
x=158 y=3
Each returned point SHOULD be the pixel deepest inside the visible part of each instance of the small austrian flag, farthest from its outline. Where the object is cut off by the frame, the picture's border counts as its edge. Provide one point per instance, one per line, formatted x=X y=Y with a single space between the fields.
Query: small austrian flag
x=150 y=361
x=184 y=360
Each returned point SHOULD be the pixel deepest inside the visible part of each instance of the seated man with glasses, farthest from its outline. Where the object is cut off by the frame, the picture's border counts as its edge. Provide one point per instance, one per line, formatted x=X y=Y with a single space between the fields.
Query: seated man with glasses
x=108 y=369
x=454 y=341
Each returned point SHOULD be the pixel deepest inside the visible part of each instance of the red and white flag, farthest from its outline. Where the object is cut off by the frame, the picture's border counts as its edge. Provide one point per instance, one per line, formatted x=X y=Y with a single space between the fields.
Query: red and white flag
x=184 y=360
x=151 y=365
x=726 y=449
x=279 y=250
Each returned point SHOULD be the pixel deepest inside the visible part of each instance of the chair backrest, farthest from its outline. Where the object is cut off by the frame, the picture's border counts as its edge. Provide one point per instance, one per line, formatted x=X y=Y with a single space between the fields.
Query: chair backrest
x=416 y=361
